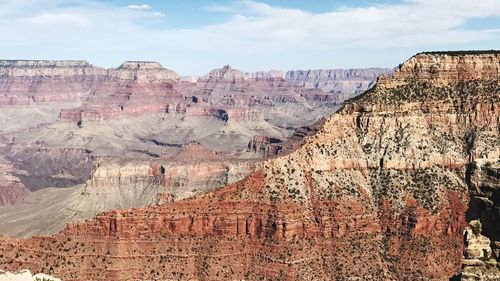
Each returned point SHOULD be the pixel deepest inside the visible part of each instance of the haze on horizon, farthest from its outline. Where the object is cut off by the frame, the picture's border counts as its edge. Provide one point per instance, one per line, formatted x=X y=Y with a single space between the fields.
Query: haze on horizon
x=193 y=37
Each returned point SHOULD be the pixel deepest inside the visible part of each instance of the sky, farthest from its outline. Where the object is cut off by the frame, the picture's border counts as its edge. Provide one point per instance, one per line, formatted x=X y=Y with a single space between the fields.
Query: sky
x=194 y=36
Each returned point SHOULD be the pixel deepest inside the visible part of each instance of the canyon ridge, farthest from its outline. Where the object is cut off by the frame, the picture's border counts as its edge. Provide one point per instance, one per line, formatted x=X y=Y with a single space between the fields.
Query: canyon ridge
x=402 y=182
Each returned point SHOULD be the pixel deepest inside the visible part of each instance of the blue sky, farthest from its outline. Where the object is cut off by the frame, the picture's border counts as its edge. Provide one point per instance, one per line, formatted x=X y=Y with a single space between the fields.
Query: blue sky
x=195 y=36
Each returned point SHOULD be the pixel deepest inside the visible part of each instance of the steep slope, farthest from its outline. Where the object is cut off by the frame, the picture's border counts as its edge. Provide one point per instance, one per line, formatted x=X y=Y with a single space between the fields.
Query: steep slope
x=379 y=193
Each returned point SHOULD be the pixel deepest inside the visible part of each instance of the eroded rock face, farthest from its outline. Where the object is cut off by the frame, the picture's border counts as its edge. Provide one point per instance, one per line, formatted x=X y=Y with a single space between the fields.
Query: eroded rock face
x=25 y=275
x=485 y=197
x=449 y=67
x=265 y=146
x=12 y=190
x=143 y=72
x=267 y=75
x=39 y=167
x=482 y=254
x=478 y=246
x=62 y=118
x=479 y=264
x=105 y=92
x=126 y=183
x=226 y=74
x=34 y=68
x=380 y=192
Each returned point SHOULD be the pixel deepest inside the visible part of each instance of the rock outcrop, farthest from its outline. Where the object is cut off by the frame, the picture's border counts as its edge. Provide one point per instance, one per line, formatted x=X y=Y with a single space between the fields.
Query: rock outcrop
x=41 y=68
x=25 y=275
x=265 y=146
x=117 y=183
x=28 y=82
x=379 y=193
x=479 y=263
x=143 y=72
x=442 y=68
x=225 y=74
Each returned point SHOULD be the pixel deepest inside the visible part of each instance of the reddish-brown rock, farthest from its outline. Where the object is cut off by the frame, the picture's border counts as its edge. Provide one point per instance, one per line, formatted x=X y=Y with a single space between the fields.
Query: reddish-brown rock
x=379 y=193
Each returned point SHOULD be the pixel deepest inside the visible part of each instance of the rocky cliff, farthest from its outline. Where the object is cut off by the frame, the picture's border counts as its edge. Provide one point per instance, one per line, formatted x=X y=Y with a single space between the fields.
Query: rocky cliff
x=60 y=119
x=449 y=67
x=92 y=94
x=31 y=82
x=379 y=193
x=127 y=183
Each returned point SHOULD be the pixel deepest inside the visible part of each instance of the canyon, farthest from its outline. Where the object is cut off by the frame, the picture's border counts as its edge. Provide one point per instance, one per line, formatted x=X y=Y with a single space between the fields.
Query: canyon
x=383 y=189
x=77 y=139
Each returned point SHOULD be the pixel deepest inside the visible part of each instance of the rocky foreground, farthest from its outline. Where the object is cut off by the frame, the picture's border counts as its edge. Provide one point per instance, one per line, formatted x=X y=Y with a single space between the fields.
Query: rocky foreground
x=384 y=191
x=25 y=275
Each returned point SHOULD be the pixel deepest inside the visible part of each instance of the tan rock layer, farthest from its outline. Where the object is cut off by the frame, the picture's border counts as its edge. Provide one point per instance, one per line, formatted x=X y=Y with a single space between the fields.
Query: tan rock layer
x=376 y=194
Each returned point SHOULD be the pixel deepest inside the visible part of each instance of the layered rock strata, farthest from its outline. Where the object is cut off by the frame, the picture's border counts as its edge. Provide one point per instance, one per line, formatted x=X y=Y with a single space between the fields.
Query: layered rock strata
x=62 y=119
x=126 y=183
x=348 y=81
x=379 y=193
x=265 y=146
x=479 y=261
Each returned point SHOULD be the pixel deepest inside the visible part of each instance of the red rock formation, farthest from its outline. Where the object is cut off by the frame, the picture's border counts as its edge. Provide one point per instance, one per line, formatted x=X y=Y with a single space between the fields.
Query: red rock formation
x=449 y=67
x=379 y=193
x=25 y=82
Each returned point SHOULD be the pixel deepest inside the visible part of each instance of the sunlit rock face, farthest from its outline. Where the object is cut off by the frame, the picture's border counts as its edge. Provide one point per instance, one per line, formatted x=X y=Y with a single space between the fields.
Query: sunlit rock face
x=71 y=125
x=380 y=192
x=25 y=275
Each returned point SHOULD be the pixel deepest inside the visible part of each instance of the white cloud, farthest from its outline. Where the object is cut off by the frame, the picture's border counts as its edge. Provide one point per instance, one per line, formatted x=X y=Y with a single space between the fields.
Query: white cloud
x=411 y=23
x=140 y=7
x=255 y=34
x=61 y=18
x=158 y=14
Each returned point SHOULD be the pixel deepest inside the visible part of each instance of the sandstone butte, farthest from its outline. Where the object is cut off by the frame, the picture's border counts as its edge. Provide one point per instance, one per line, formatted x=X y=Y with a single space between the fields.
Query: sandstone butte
x=379 y=193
